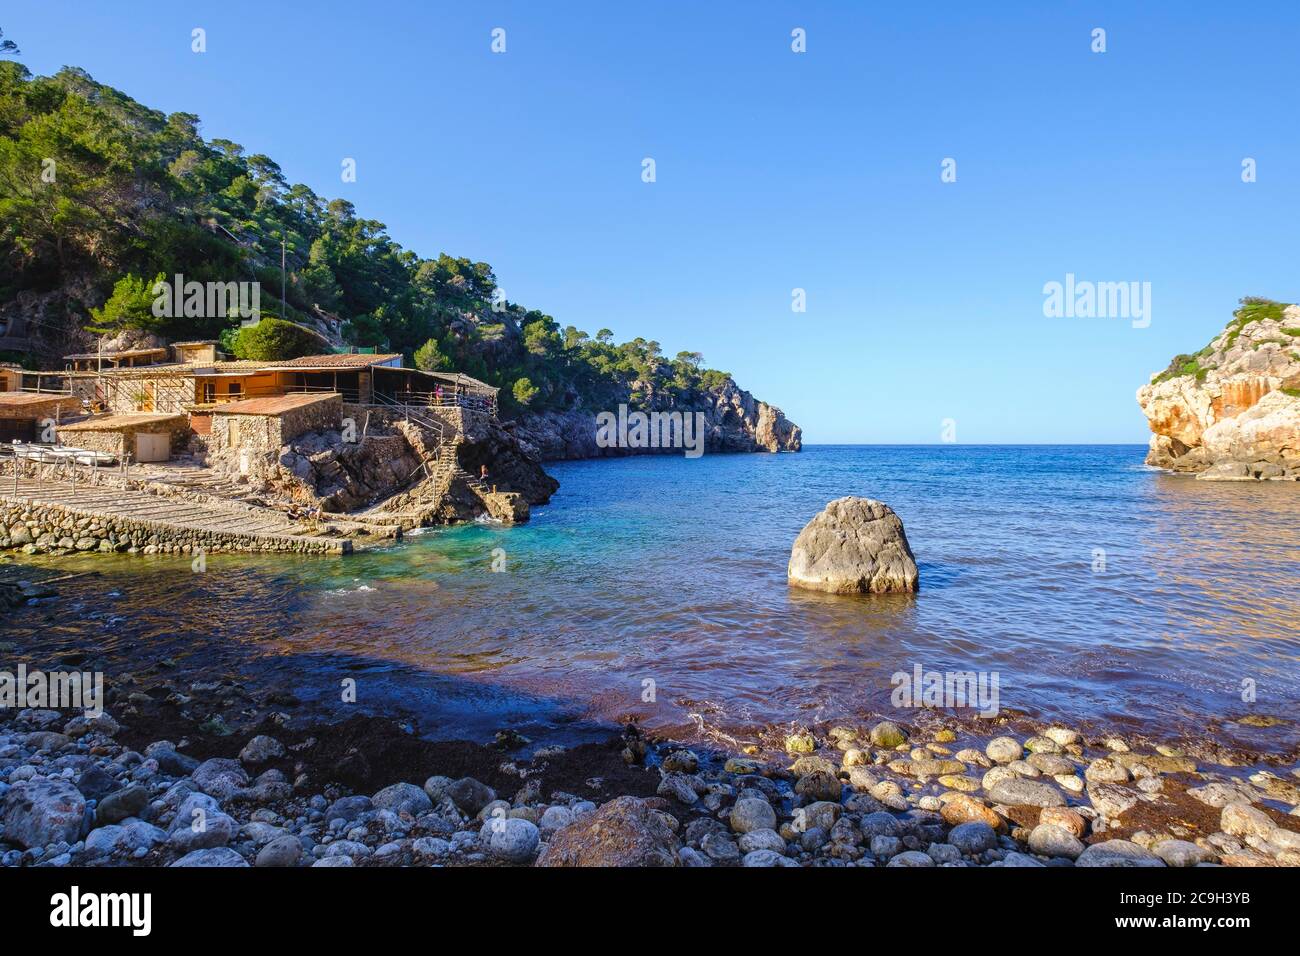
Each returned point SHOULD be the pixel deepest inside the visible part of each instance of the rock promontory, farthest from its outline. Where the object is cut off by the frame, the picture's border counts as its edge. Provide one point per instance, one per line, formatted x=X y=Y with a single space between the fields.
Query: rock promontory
x=1232 y=410
x=853 y=546
x=733 y=421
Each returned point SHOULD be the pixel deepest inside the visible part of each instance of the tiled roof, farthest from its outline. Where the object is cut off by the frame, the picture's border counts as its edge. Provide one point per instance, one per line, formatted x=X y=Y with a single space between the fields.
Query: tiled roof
x=335 y=360
x=236 y=365
x=21 y=399
x=111 y=423
x=275 y=404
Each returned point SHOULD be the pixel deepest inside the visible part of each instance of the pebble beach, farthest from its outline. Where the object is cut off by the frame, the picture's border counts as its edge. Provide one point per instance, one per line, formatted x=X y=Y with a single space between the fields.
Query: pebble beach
x=284 y=791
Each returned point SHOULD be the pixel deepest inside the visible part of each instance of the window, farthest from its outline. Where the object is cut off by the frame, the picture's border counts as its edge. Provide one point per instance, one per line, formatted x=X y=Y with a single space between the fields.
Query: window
x=209 y=393
x=235 y=390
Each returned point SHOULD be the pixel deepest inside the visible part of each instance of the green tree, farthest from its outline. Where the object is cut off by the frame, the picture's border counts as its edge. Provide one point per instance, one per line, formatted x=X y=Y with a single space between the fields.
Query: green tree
x=430 y=357
x=8 y=47
x=129 y=307
x=524 y=391
x=275 y=340
x=93 y=183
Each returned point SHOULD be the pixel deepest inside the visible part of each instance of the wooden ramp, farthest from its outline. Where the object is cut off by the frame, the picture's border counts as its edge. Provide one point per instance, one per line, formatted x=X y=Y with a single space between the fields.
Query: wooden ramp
x=184 y=516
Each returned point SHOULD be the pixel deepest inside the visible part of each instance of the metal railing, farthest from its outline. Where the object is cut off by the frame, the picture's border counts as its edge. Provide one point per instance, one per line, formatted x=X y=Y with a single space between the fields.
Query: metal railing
x=65 y=469
x=411 y=414
x=441 y=399
x=350 y=395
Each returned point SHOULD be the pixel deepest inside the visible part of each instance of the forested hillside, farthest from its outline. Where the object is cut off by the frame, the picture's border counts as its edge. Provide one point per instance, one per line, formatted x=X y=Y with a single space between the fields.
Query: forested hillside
x=99 y=195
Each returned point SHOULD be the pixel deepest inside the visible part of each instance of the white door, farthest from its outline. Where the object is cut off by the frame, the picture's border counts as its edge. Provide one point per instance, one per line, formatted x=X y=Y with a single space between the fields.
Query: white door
x=153 y=447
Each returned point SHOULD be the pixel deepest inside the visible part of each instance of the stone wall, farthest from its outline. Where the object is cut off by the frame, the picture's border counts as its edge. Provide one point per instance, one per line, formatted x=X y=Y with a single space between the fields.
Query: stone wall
x=52 y=407
x=266 y=434
x=317 y=416
x=121 y=440
x=38 y=528
x=255 y=433
x=106 y=443
x=132 y=394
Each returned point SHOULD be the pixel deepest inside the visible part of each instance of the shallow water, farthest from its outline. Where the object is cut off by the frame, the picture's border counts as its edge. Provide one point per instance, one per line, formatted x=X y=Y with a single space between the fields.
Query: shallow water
x=671 y=570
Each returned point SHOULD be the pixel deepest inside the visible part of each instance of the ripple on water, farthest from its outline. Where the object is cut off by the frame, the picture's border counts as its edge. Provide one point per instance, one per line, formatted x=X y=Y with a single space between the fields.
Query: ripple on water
x=1098 y=589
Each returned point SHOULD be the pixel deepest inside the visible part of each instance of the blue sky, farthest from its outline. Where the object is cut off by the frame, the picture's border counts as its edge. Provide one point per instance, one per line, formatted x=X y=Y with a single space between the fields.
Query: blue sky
x=778 y=170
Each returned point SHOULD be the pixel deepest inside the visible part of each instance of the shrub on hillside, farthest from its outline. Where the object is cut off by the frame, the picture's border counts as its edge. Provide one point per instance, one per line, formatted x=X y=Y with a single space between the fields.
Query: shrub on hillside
x=275 y=340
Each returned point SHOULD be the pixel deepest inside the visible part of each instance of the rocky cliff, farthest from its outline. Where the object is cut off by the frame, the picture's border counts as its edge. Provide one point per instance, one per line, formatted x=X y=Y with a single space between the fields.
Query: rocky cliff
x=1232 y=410
x=404 y=466
x=734 y=421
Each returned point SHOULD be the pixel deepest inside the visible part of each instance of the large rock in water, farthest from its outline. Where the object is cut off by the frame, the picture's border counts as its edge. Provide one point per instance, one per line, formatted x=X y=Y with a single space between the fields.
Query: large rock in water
x=508 y=506
x=855 y=545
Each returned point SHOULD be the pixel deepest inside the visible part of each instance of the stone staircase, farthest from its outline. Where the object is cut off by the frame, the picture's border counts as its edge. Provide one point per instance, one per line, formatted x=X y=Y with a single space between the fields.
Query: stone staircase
x=413 y=507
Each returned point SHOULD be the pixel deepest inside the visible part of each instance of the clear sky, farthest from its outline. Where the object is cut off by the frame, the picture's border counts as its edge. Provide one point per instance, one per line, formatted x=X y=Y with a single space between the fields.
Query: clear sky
x=777 y=170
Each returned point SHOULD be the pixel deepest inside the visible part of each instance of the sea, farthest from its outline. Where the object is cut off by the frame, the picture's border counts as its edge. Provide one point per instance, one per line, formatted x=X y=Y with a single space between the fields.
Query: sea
x=1088 y=588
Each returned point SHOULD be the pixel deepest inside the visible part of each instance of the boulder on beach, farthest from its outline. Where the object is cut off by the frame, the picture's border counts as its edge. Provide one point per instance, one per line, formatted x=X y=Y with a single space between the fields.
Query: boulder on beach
x=854 y=546
x=623 y=832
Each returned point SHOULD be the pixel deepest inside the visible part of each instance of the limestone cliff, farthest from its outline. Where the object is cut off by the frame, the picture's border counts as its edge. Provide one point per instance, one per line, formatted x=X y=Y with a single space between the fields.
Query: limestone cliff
x=734 y=421
x=1232 y=410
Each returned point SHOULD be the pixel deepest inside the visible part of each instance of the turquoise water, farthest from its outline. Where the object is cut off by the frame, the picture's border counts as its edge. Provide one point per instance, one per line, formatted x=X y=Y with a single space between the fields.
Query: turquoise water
x=672 y=570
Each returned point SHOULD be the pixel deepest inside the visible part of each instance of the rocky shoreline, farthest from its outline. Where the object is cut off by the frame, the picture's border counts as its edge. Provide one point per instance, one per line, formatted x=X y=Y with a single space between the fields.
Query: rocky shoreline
x=1231 y=412
x=154 y=786
x=734 y=421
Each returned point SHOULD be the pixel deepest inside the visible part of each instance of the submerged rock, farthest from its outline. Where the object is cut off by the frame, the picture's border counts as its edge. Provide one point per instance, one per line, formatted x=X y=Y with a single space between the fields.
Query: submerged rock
x=1022 y=792
x=854 y=546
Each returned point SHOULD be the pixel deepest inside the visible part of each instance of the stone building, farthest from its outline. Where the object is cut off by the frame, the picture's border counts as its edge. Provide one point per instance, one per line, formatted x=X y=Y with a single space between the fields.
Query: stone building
x=261 y=426
x=194 y=353
x=245 y=410
x=145 y=438
x=24 y=414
